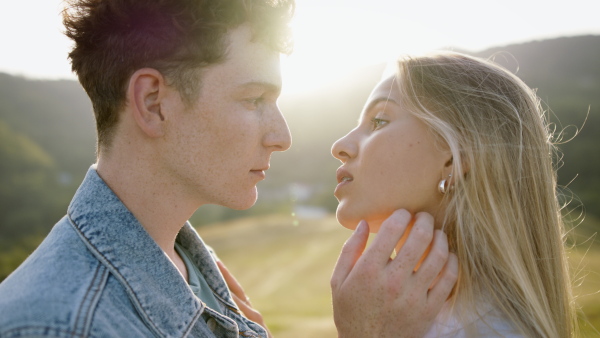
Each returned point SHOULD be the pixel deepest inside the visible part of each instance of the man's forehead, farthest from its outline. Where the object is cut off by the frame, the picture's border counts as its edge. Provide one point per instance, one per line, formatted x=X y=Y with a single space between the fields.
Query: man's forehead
x=250 y=63
x=244 y=77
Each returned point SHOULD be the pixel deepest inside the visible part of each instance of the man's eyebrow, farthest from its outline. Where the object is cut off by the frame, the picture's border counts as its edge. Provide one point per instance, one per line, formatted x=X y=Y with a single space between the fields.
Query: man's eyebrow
x=263 y=84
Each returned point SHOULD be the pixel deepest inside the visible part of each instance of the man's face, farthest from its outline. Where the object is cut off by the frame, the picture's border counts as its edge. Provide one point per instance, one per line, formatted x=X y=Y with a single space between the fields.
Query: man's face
x=217 y=150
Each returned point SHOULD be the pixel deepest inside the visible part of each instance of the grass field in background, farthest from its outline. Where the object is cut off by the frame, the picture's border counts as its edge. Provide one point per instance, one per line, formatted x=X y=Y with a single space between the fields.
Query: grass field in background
x=285 y=270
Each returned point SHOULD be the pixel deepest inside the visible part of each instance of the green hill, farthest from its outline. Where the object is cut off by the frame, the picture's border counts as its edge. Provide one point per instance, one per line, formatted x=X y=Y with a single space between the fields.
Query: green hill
x=566 y=72
x=57 y=115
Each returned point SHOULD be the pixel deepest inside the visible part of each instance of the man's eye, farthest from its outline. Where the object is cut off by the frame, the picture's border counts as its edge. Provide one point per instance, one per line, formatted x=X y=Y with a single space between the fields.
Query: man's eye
x=378 y=123
x=254 y=103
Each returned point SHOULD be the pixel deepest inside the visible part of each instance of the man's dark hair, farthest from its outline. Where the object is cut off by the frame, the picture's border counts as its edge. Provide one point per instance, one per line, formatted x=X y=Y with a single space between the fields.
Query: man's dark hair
x=114 y=38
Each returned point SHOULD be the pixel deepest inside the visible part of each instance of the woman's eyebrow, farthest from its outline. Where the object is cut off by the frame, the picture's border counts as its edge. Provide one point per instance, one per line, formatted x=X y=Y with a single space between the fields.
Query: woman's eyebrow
x=374 y=102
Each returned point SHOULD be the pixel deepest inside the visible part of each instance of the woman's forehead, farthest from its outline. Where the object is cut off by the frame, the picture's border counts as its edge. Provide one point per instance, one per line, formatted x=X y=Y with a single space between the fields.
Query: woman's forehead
x=386 y=88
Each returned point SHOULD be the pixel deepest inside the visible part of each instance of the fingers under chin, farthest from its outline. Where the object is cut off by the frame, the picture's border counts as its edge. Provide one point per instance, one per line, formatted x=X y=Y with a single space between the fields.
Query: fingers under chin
x=351 y=251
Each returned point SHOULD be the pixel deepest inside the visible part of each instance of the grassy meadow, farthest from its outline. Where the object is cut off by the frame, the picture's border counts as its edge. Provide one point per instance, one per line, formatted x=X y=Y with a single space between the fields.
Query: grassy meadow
x=285 y=270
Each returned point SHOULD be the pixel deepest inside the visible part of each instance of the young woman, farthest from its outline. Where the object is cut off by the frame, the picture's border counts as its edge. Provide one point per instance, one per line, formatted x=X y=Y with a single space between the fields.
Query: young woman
x=466 y=141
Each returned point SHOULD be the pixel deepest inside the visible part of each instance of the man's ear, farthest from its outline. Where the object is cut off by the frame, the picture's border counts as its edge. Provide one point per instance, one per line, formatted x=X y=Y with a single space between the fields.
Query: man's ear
x=146 y=90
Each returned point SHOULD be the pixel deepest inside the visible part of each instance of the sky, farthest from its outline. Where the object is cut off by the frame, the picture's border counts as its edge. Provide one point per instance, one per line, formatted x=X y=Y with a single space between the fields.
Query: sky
x=332 y=36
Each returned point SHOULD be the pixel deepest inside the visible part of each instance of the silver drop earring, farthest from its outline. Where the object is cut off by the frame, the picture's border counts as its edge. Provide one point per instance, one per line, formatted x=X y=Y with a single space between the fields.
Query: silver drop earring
x=444 y=185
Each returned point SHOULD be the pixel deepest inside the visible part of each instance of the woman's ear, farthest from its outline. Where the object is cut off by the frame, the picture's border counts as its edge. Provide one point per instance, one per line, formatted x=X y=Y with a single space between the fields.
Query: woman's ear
x=449 y=166
x=449 y=160
x=144 y=94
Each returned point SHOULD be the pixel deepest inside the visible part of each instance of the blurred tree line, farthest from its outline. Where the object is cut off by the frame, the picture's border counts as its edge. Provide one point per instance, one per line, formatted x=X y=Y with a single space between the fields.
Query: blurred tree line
x=47 y=139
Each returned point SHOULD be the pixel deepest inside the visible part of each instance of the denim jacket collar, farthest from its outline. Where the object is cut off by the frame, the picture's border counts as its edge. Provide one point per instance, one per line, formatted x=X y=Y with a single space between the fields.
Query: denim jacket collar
x=119 y=241
x=157 y=290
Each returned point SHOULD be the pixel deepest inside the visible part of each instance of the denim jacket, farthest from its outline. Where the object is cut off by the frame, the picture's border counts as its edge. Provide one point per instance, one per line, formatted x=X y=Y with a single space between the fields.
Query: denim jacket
x=99 y=274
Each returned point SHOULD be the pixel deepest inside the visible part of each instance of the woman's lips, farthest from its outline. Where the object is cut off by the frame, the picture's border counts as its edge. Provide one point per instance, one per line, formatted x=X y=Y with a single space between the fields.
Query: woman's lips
x=343 y=178
x=343 y=175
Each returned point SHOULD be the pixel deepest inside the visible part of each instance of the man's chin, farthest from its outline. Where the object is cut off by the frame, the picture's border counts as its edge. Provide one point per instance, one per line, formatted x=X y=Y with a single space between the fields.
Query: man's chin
x=243 y=203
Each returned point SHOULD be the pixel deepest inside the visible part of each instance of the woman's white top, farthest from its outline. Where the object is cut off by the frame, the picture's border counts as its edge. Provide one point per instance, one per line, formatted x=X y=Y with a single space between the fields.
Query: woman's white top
x=485 y=322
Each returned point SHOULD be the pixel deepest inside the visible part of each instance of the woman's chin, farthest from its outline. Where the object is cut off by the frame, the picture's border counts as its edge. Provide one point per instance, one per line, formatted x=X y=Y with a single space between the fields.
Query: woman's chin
x=351 y=223
x=350 y=214
x=345 y=221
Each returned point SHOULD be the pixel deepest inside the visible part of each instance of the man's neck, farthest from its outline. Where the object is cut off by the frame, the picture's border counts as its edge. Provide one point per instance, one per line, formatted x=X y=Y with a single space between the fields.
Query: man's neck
x=159 y=208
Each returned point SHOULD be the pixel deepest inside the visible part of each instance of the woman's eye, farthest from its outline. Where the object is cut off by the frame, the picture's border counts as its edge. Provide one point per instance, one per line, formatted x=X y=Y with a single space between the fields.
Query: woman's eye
x=378 y=123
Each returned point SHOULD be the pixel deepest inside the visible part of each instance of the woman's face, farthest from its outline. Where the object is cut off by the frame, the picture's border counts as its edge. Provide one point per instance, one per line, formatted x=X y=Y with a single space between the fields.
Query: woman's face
x=390 y=161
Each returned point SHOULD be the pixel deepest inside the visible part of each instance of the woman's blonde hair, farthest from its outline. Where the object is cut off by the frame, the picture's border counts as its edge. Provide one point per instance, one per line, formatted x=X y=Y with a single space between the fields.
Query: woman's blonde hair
x=502 y=217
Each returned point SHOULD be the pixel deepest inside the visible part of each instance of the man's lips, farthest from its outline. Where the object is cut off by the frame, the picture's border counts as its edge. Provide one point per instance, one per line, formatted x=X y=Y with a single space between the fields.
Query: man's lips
x=260 y=171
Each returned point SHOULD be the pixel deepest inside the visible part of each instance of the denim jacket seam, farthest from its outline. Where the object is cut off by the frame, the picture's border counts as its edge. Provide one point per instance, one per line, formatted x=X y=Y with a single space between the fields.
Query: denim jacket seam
x=118 y=276
x=233 y=309
x=91 y=299
x=24 y=329
x=191 y=326
x=83 y=302
x=246 y=333
x=225 y=302
x=250 y=333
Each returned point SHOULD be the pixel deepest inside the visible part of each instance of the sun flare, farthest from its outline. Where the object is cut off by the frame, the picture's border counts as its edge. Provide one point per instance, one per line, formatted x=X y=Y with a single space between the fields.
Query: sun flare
x=329 y=45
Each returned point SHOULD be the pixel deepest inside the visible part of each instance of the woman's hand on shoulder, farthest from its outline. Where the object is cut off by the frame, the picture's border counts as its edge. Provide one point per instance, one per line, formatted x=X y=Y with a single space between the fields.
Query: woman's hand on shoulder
x=240 y=298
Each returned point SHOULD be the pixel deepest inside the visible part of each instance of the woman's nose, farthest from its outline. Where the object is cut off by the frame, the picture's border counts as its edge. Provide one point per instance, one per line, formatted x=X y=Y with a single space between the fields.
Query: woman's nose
x=344 y=148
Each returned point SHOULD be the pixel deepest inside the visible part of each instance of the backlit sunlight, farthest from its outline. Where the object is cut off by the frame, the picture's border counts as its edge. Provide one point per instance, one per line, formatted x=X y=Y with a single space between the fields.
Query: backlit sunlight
x=329 y=44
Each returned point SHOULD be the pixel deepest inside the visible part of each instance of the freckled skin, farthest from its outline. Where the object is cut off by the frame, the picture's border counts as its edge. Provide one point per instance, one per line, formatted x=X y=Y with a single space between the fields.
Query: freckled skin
x=396 y=165
x=216 y=143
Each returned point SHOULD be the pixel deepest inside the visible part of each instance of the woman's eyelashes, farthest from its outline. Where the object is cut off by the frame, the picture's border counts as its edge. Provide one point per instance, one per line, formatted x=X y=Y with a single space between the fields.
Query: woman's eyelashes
x=378 y=123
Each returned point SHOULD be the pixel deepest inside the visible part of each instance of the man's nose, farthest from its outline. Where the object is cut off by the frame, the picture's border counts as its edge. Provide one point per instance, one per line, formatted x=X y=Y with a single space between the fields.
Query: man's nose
x=278 y=136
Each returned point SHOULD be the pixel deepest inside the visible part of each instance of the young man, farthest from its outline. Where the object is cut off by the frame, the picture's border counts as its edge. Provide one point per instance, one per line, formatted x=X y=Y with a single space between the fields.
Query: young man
x=184 y=93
